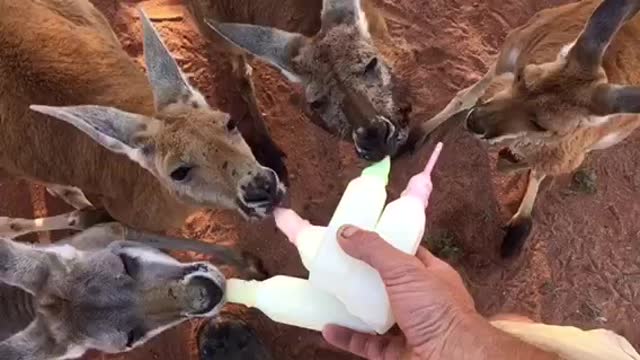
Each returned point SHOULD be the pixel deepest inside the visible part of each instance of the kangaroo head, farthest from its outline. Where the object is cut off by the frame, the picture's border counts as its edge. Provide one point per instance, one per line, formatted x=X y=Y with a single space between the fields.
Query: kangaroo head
x=111 y=299
x=546 y=102
x=346 y=81
x=195 y=151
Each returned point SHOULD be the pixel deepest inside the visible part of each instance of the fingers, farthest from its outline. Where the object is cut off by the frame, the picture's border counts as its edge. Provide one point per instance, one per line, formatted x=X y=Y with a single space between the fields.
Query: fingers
x=370 y=248
x=364 y=345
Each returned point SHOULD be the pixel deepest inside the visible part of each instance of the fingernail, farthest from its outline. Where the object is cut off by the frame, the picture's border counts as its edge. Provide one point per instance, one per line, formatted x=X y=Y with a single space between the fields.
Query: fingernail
x=348 y=231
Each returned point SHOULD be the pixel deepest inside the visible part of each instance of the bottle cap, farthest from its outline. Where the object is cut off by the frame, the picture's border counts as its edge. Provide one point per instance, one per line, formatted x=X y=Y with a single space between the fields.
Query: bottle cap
x=380 y=170
x=420 y=185
x=290 y=223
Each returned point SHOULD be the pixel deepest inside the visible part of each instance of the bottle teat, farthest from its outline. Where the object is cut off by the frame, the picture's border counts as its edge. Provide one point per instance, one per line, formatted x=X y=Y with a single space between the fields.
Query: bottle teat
x=290 y=223
x=242 y=292
x=420 y=184
x=380 y=170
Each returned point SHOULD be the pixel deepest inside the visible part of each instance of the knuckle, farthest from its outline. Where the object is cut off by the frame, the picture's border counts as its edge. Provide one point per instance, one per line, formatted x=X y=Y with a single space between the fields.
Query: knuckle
x=372 y=350
x=403 y=273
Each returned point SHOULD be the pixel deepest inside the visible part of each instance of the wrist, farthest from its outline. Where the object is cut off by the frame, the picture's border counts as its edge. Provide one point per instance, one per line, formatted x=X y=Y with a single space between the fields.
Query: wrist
x=468 y=338
x=455 y=330
x=471 y=336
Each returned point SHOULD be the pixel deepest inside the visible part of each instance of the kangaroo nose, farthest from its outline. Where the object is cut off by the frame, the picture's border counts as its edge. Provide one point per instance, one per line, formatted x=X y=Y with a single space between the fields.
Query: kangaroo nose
x=374 y=142
x=263 y=188
x=204 y=294
x=472 y=123
x=261 y=194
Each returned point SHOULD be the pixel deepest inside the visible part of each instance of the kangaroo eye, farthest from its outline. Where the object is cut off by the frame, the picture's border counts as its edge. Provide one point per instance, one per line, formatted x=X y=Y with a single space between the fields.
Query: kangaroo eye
x=538 y=126
x=181 y=173
x=232 y=125
x=134 y=336
x=519 y=76
x=371 y=66
x=317 y=104
x=130 y=264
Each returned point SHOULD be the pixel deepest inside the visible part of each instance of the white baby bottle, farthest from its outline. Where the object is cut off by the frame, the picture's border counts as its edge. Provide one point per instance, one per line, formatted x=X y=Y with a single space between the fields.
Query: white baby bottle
x=402 y=225
x=403 y=220
x=332 y=270
x=293 y=301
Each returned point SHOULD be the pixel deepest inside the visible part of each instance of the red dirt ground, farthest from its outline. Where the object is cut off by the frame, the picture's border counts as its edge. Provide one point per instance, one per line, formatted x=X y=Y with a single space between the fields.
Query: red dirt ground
x=581 y=266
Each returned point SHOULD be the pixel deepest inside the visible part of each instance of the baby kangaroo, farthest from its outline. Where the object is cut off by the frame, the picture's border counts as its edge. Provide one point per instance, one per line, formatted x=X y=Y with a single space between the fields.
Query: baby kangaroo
x=78 y=115
x=558 y=90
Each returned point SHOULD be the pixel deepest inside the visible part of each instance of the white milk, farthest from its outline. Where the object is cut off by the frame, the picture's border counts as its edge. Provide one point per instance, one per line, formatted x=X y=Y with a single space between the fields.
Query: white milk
x=332 y=270
x=293 y=301
x=402 y=225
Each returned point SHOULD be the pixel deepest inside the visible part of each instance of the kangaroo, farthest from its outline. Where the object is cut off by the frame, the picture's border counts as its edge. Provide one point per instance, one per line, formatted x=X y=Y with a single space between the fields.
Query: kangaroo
x=328 y=47
x=79 y=116
x=96 y=292
x=558 y=90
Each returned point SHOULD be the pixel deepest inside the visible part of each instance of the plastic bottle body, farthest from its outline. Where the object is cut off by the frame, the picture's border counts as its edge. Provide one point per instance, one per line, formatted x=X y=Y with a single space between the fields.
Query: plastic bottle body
x=332 y=269
x=402 y=226
x=308 y=244
x=294 y=301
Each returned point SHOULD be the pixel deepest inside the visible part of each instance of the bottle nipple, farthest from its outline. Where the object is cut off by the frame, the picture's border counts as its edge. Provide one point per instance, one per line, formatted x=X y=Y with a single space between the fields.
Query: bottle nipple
x=380 y=170
x=290 y=223
x=242 y=292
x=420 y=185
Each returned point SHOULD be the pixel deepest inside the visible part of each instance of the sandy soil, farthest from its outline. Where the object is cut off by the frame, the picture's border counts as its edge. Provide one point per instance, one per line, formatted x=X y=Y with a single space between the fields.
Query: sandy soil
x=581 y=266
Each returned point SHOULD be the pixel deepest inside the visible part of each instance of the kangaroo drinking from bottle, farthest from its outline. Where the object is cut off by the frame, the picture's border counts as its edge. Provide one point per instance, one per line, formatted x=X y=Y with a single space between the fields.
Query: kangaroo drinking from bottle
x=78 y=115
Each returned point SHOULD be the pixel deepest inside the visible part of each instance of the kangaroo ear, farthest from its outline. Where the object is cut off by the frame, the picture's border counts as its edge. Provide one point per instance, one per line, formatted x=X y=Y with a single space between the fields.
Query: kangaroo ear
x=274 y=46
x=35 y=342
x=616 y=99
x=119 y=131
x=603 y=25
x=23 y=266
x=344 y=12
x=169 y=84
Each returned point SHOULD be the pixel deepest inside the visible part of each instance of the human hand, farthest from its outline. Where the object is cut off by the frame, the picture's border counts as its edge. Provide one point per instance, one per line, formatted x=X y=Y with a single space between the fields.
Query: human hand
x=427 y=296
x=431 y=305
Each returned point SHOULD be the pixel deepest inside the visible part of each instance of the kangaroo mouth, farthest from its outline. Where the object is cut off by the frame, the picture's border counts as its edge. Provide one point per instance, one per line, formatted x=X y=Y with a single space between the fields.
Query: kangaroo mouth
x=506 y=154
x=204 y=295
x=203 y=288
x=258 y=209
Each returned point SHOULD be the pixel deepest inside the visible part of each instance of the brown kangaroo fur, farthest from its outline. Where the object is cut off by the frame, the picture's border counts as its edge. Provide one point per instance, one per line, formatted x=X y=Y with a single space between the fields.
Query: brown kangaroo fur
x=559 y=88
x=325 y=46
x=62 y=57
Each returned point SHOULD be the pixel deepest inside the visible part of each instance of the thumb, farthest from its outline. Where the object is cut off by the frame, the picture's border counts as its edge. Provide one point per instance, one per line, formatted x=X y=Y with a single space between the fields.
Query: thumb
x=370 y=248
